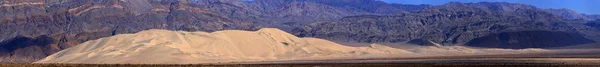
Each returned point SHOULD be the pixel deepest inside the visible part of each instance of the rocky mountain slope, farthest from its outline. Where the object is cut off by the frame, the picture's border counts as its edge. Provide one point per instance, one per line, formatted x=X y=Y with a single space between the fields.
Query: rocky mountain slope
x=33 y=29
x=66 y=23
x=69 y=22
x=455 y=23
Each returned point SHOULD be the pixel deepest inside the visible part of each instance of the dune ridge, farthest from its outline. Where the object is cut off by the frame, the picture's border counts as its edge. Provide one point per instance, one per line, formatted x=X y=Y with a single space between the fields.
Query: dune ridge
x=268 y=44
x=163 y=46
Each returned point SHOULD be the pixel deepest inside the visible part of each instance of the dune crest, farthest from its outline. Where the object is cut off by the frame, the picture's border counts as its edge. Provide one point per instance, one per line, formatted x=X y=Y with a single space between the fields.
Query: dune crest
x=268 y=44
x=180 y=47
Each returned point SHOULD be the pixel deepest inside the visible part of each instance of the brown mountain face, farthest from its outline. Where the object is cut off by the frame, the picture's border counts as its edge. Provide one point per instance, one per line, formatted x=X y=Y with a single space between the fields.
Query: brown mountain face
x=66 y=23
x=33 y=29
x=456 y=23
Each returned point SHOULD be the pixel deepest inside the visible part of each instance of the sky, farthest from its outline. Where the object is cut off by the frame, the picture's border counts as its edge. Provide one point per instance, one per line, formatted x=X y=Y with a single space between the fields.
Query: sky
x=580 y=6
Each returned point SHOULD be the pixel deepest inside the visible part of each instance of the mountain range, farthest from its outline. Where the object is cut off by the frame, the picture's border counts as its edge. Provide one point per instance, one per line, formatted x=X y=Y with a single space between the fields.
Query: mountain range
x=33 y=29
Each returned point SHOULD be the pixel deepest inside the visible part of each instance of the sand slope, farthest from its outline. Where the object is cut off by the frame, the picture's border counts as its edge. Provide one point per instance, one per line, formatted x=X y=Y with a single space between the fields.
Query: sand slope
x=163 y=46
x=267 y=44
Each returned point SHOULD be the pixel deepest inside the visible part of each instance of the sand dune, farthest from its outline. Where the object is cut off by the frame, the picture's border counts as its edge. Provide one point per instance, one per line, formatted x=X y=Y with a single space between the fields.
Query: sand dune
x=267 y=44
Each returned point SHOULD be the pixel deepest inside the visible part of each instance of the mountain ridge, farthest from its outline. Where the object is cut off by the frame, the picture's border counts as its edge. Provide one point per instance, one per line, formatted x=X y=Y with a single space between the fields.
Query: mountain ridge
x=453 y=23
x=70 y=22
